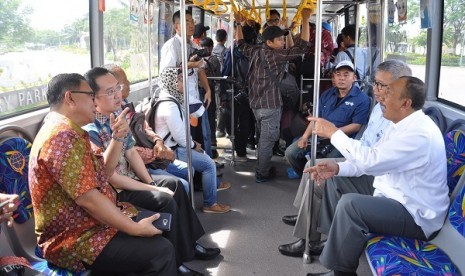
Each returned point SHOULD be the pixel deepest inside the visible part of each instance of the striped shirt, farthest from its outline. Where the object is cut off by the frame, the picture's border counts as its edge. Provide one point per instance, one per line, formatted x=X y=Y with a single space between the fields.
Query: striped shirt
x=264 y=92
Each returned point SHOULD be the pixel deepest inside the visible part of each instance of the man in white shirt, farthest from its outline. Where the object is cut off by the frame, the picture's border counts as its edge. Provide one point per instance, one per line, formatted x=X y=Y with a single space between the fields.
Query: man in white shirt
x=171 y=56
x=409 y=164
x=386 y=73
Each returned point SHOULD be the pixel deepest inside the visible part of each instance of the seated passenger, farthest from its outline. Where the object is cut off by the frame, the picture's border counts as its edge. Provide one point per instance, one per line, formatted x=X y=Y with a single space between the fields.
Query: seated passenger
x=168 y=120
x=156 y=193
x=410 y=197
x=176 y=167
x=79 y=221
x=345 y=105
x=386 y=73
x=7 y=210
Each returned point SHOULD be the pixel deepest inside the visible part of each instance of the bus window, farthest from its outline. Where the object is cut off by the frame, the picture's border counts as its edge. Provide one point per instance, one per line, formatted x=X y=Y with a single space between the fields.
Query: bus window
x=125 y=36
x=36 y=43
x=453 y=52
x=405 y=39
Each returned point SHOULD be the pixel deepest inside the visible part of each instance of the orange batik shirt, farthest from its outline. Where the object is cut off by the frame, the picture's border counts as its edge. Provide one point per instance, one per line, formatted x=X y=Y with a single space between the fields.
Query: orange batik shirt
x=63 y=167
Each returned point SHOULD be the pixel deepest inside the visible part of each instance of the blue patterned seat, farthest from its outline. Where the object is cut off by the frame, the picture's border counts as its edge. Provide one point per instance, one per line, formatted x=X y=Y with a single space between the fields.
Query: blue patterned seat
x=445 y=254
x=14 y=159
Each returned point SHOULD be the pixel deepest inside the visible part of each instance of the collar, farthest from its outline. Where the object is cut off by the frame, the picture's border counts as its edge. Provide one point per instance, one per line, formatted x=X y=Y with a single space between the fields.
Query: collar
x=405 y=123
x=101 y=118
x=55 y=116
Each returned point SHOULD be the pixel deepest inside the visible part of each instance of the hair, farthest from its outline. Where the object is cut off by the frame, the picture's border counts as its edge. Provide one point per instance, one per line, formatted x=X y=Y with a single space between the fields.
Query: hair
x=250 y=36
x=95 y=73
x=206 y=42
x=177 y=15
x=221 y=35
x=339 y=40
x=275 y=12
x=111 y=67
x=415 y=90
x=349 y=31
x=257 y=27
x=61 y=83
x=395 y=67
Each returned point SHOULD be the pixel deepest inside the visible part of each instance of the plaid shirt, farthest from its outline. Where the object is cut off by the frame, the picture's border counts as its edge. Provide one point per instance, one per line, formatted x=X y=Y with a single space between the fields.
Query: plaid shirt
x=263 y=91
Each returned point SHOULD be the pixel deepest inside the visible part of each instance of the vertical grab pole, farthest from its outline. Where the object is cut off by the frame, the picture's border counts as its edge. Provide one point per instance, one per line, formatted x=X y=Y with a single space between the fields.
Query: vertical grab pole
x=150 y=45
x=231 y=43
x=316 y=98
x=185 y=83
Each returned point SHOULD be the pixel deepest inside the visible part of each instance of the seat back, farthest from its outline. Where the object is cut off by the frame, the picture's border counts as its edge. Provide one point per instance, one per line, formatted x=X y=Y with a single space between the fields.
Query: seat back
x=14 y=159
x=455 y=151
x=456 y=124
x=436 y=115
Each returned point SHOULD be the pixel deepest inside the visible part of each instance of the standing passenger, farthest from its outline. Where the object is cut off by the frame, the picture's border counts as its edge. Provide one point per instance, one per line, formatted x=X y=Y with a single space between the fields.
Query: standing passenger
x=264 y=96
x=171 y=56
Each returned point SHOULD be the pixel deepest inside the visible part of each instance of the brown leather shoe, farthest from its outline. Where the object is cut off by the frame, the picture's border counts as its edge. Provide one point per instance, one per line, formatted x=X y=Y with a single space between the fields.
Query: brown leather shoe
x=217 y=208
x=224 y=186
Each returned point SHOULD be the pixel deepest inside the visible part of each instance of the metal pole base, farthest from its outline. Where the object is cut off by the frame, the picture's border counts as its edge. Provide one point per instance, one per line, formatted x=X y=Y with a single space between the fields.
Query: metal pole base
x=306 y=259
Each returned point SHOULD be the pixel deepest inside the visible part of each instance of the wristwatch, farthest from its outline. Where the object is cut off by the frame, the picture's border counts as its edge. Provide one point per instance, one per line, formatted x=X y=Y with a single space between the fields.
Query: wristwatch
x=121 y=140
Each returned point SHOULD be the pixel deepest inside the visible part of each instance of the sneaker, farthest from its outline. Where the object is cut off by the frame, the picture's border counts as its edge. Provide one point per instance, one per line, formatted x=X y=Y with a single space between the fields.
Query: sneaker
x=220 y=134
x=291 y=174
x=224 y=186
x=237 y=158
x=219 y=165
x=217 y=208
x=259 y=178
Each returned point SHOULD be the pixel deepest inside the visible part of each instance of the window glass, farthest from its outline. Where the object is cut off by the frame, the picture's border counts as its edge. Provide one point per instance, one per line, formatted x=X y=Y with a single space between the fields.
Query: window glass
x=453 y=51
x=405 y=39
x=125 y=36
x=37 y=43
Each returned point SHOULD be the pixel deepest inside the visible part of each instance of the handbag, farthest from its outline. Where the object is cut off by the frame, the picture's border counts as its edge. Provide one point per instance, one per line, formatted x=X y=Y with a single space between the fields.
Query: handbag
x=143 y=140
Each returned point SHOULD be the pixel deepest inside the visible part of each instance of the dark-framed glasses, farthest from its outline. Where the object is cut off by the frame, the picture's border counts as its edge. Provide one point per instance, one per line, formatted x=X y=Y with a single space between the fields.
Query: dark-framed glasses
x=380 y=86
x=91 y=93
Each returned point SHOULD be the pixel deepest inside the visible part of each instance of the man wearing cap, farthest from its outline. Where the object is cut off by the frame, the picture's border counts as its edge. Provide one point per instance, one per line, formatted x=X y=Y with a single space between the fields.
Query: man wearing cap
x=345 y=105
x=200 y=33
x=264 y=96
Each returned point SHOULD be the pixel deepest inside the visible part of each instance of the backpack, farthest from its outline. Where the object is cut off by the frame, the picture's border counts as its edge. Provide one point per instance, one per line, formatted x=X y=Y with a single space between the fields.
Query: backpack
x=153 y=108
x=288 y=88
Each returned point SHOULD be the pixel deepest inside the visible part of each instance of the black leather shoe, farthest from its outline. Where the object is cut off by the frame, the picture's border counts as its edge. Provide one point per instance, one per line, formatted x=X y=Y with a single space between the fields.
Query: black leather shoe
x=295 y=249
x=316 y=247
x=185 y=271
x=290 y=220
x=278 y=152
x=204 y=253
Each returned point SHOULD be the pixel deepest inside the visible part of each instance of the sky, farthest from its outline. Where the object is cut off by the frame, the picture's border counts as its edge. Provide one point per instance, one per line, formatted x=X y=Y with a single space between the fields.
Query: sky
x=45 y=15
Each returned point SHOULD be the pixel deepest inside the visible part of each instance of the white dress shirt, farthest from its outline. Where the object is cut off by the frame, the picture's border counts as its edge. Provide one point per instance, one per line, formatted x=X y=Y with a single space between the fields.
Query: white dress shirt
x=409 y=164
x=171 y=56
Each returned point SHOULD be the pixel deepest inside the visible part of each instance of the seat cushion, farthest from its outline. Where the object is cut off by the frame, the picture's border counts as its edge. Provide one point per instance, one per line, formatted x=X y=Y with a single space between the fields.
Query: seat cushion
x=390 y=255
x=14 y=157
x=49 y=269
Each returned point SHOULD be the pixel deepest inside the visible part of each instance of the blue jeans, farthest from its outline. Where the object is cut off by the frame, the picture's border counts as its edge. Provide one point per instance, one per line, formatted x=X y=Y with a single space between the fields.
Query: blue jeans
x=296 y=156
x=206 y=166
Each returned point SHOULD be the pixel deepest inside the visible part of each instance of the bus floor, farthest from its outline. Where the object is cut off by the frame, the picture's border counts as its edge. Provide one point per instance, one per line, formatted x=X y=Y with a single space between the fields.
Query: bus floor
x=250 y=234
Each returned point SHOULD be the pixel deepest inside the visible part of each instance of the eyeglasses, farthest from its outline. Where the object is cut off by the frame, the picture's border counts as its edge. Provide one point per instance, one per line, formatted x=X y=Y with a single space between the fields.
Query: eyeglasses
x=91 y=93
x=111 y=91
x=379 y=85
x=271 y=21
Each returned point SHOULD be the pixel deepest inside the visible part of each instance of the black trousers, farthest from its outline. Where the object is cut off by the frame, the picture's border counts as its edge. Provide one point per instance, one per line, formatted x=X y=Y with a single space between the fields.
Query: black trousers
x=185 y=225
x=129 y=255
x=242 y=115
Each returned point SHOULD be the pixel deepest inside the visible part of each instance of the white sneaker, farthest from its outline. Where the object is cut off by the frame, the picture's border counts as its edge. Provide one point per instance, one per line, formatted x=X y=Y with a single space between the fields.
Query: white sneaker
x=237 y=158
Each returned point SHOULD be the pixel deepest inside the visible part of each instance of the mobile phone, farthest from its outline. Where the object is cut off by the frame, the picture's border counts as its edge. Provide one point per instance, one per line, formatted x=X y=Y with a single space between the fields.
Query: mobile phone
x=131 y=107
x=4 y=203
x=163 y=222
